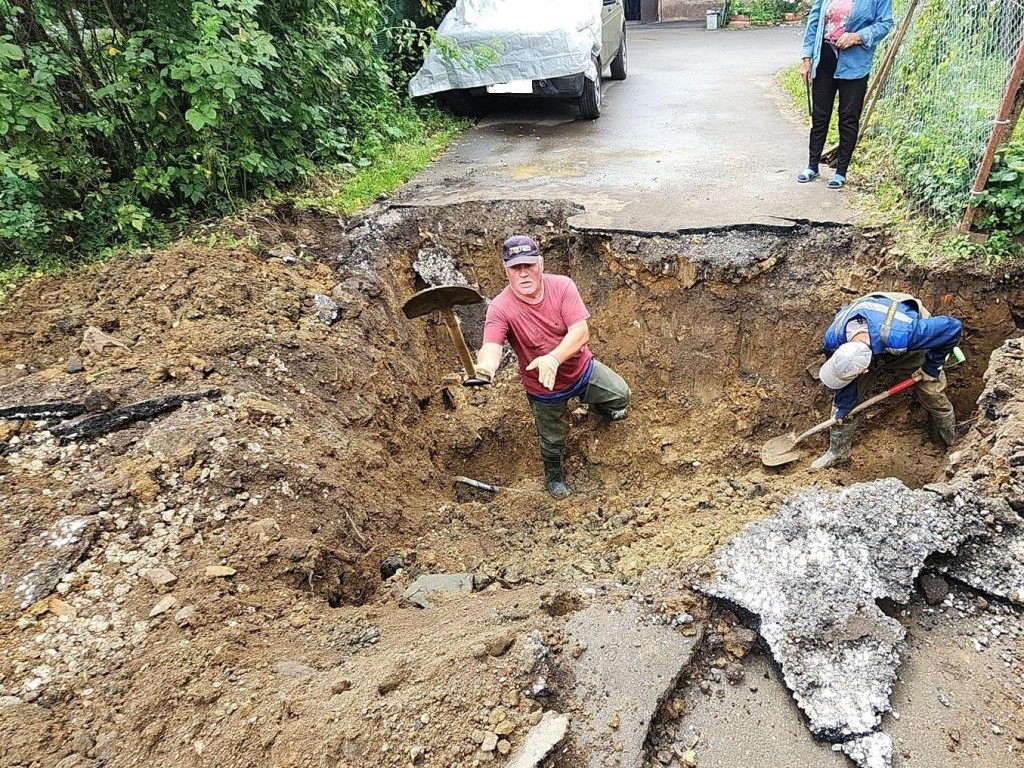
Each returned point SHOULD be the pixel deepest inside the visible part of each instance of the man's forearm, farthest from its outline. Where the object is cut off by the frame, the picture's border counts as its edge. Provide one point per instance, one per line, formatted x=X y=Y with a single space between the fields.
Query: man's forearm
x=574 y=340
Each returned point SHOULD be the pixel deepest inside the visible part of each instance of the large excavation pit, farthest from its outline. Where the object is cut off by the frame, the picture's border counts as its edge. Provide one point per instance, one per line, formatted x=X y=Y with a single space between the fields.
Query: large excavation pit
x=224 y=576
x=715 y=333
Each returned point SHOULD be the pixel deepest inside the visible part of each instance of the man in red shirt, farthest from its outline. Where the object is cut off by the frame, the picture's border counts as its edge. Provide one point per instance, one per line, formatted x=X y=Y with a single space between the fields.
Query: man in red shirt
x=544 y=320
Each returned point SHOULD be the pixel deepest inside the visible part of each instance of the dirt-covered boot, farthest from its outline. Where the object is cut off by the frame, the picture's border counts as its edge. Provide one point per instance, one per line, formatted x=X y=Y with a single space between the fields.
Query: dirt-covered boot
x=840 y=442
x=943 y=428
x=554 y=478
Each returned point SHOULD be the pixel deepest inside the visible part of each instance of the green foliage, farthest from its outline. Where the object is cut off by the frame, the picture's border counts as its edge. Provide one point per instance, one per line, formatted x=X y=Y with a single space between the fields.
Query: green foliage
x=936 y=113
x=1002 y=202
x=120 y=120
x=764 y=10
x=351 y=189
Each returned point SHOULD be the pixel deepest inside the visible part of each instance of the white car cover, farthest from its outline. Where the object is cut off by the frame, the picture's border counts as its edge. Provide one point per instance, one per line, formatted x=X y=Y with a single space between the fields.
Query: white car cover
x=499 y=41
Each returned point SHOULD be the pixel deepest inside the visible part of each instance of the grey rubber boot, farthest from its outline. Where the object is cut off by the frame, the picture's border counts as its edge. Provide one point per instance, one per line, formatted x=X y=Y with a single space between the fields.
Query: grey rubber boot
x=554 y=478
x=840 y=442
x=944 y=427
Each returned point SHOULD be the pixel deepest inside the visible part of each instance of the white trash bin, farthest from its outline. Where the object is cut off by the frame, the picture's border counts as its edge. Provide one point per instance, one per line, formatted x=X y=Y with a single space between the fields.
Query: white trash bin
x=712 y=18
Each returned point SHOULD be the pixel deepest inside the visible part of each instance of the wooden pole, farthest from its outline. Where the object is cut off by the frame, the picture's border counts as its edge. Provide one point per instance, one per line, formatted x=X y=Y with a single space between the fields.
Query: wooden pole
x=1006 y=118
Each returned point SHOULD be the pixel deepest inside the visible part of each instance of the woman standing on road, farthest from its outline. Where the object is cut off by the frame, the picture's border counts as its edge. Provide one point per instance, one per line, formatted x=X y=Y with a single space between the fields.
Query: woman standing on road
x=839 y=44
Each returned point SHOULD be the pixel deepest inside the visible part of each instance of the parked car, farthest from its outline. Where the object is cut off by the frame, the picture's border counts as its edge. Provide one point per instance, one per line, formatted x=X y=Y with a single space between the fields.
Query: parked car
x=517 y=48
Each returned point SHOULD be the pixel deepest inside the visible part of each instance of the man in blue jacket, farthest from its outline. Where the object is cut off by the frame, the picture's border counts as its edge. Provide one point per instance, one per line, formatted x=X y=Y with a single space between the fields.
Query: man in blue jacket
x=893 y=331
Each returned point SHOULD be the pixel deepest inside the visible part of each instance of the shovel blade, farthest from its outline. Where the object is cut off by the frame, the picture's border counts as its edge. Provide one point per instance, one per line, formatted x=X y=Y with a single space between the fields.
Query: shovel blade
x=780 y=450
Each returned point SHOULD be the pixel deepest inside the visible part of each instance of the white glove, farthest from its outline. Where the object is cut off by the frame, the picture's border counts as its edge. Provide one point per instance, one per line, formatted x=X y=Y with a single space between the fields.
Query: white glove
x=547 y=368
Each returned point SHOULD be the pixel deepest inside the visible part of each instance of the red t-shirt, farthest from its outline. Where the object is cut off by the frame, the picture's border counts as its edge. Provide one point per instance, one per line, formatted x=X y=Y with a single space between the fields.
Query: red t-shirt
x=535 y=329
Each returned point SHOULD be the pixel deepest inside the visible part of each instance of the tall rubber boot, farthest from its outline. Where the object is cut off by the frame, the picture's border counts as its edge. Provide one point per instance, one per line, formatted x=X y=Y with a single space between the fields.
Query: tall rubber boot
x=944 y=428
x=554 y=478
x=840 y=446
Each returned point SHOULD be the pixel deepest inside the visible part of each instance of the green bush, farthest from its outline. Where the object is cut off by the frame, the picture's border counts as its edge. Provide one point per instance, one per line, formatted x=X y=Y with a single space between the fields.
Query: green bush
x=120 y=120
x=1002 y=202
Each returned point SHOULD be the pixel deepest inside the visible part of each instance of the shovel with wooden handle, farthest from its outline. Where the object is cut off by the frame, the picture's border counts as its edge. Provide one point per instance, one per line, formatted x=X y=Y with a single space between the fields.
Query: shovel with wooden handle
x=443 y=298
x=782 y=450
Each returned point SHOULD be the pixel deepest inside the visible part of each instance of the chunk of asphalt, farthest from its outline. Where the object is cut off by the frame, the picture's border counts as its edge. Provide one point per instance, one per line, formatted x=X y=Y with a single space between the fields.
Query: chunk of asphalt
x=41 y=563
x=438 y=266
x=994 y=565
x=541 y=739
x=627 y=668
x=425 y=586
x=871 y=751
x=812 y=573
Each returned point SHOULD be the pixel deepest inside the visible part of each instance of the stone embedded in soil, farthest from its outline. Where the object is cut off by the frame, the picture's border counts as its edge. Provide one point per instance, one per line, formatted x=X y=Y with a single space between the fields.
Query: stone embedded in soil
x=812 y=573
x=163 y=606
x=219 y=571
x=425 y=586
x=160 y=578
x=629 y=667
x=541 y=739
x=326 y=309
x=935 y=588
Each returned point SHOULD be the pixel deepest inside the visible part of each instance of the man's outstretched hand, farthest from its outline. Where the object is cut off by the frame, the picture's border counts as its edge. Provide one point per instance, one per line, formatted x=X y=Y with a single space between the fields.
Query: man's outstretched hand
x=547 y=369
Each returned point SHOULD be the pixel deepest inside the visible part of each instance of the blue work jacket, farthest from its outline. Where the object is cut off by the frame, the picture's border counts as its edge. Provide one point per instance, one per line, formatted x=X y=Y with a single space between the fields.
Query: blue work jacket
x=908 y=332
x=871 y=18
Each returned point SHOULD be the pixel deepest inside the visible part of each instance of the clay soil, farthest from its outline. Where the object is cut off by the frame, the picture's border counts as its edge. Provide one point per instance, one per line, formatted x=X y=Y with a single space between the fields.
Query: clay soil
x=321 y=471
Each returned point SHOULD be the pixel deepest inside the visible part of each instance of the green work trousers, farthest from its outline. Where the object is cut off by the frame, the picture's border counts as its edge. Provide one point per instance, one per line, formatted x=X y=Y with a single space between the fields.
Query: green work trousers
x=931 y=394
x=606 y=392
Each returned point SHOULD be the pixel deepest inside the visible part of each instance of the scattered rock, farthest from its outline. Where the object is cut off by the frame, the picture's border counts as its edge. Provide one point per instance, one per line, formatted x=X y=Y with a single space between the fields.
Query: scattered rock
x=165 y=604
x=542 y=738
x=326 y=309
x=490 y=742
x=341 y=686
x=219 y=571
x=498 y=645
x=183 y=618
x=74 y=365
x=265 y=530
x=160 y=578
x=391 y=565
x=430 y=584
x=739 y=641
x=935 y=588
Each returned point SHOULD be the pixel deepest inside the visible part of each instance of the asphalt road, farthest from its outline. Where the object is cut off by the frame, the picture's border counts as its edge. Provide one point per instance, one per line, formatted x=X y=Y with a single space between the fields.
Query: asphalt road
x=698 y=136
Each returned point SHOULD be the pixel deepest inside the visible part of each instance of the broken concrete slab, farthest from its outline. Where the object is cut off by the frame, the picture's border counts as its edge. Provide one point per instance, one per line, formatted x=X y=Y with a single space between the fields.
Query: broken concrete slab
x=427 y=585
x=542 y=738
x=812 y=574
x=626 y=669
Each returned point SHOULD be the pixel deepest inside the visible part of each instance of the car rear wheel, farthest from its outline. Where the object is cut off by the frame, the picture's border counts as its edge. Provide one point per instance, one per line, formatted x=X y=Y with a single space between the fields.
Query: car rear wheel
x=590 y=99
x=618 y=67
x=463 y=103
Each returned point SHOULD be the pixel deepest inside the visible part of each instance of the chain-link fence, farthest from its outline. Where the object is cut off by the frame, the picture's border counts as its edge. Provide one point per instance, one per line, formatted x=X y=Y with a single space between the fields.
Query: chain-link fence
x=938 y=104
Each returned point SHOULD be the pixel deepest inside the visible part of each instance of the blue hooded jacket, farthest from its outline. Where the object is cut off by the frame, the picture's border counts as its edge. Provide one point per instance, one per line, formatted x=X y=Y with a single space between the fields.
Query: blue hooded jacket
x=871 y=18
x=908 y=332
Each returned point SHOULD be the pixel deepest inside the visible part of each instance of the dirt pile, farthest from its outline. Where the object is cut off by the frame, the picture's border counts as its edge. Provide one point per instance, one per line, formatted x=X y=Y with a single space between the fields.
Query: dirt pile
x=221 y=582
